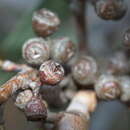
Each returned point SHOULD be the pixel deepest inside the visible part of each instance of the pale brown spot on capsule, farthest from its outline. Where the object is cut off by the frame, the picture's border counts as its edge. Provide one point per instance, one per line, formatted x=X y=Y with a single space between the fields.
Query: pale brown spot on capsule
x=51 y=72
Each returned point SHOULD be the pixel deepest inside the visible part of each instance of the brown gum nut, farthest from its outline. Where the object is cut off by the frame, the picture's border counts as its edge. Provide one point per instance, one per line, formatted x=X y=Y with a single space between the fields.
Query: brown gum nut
x=36 y=109
x=23 y=98
x=45 y=22
x=36 y=51
x=51 y=72
x=110 y=9
x=63 y=49
x=108 y=87
x=85 y=70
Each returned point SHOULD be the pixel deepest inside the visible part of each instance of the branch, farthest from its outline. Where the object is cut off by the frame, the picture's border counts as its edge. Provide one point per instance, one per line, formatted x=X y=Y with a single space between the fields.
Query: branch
x=78 y=8
x=10 y=66
x=23 y=80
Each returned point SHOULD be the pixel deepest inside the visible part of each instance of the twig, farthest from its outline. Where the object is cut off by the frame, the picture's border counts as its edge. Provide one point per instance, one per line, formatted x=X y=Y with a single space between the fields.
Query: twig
x=53 y=117
x=23 y=80
x=78 y=8
x=10 y=66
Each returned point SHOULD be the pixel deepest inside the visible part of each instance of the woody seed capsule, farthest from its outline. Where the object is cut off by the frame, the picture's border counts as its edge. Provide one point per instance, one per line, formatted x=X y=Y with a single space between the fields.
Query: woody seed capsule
x=110 y=9
x=85 y=70
x=23 y=98
x=51 y=72
x=108 y=87
x=63 y=49
x=36 y=109
x=36 y=51
x=45 y=22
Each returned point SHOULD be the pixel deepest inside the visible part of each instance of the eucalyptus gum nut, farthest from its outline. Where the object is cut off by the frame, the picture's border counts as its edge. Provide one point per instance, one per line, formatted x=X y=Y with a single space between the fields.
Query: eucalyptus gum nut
x=72 y=121
x=85 y=70
x=108 y=87
x=23 y=98
x=110 y=9
x=118 y=64
x=125 y=88
x=36 y=51
x=51 y=72
x=62 y=49
x=45 y=22
x=36 y=109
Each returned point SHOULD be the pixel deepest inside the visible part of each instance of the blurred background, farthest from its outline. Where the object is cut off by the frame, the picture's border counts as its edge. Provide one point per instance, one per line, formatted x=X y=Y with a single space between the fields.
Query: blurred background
x=104 y=37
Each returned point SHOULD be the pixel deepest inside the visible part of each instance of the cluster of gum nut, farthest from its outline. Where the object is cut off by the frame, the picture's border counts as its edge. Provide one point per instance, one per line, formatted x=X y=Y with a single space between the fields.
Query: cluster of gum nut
x=56 y=62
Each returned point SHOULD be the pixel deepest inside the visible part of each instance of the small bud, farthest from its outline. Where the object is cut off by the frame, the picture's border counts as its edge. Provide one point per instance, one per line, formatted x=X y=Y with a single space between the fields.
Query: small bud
x=85 y=70
x=23 y=98
x=36 y=109
x=45 y=22
x=118 y=64
x=108 y=87
x=51 y=72
x=126 y=39
x=125 y=88
x=36 y=51
x=110 y=9
x=63 y=49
